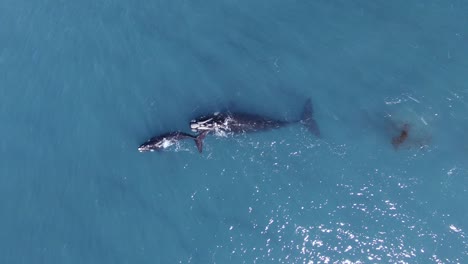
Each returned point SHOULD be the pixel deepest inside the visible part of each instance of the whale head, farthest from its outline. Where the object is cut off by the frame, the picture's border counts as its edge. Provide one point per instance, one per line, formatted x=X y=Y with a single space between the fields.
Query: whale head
x=202 y=125
x=209 y=123
x=155 y=144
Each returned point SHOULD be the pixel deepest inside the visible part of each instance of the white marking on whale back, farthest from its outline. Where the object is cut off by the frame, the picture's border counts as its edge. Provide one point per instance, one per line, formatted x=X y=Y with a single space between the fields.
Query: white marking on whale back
x=167 y=143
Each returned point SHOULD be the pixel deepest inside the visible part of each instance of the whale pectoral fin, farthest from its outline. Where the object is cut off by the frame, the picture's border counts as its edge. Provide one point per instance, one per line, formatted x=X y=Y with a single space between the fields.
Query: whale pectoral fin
x=307 y=119
x=308 y=111
x=313 y=127
x=199 y=140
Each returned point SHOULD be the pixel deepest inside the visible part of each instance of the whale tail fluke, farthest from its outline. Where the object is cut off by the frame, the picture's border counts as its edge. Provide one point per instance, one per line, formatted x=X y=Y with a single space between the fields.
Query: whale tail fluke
x=307 y=118
x=199 y=140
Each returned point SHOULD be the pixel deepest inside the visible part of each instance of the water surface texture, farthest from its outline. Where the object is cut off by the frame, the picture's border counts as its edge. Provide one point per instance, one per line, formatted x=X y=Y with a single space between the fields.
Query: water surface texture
x=83 y=83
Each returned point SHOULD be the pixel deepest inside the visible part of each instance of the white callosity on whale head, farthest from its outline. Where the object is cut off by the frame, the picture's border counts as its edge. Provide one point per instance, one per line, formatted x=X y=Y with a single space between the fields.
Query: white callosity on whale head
x=196 y=127
x=142 y=149
x=219 y=127
x=157 y=144
x=201 y=125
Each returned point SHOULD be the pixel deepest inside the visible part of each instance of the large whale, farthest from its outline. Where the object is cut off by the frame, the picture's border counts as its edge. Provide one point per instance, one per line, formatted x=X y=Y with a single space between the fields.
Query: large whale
x=238 y=122
x=168 y=139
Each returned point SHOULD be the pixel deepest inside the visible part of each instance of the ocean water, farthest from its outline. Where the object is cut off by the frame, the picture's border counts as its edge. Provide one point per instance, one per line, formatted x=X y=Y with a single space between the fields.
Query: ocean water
x=83 y=83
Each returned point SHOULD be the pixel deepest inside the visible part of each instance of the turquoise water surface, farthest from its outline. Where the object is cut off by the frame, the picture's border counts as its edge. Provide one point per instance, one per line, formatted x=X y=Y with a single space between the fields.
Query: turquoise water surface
x=83 y=83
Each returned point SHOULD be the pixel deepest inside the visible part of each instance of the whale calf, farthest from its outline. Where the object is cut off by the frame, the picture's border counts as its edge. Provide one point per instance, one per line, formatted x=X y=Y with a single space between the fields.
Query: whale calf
x=168 y=139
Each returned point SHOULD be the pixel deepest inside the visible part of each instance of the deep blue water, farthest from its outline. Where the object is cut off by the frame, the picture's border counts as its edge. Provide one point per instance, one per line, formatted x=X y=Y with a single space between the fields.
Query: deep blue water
x=83 y=83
